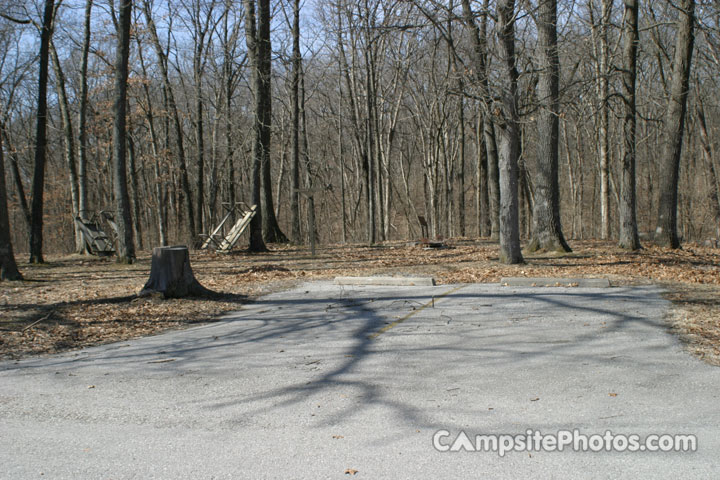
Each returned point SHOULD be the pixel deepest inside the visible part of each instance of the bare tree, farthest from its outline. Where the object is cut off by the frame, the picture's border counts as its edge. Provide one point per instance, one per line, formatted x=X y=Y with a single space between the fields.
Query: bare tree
x=629 y=238
x=295 y=105
x=177 y=124
x=263 y=99
x=126 y=246
x=478 y=38
x=38 y=184
x=602 y=82
x=509 y=127
x=666 y=232
x=82 y=116
x=260 y=67
x=69 y=138
x=547 y=232
x=8 y=267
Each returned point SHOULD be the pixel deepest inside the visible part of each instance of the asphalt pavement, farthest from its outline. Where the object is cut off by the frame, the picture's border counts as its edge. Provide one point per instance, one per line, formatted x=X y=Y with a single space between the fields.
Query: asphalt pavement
x=373 y=382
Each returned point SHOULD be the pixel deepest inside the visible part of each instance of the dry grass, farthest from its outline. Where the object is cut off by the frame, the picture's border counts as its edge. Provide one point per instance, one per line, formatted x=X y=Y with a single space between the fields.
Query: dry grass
x=73 y=301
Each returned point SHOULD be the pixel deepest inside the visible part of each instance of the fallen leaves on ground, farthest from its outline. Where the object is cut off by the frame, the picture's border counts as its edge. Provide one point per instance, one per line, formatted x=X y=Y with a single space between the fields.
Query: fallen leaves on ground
x=78 y=301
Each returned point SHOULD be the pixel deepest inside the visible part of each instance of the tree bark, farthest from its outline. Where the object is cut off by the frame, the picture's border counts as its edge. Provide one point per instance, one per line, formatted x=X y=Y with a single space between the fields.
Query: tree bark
x=172 y=275
x=17 y=178
x=8 y=267
x=38 y=185
x=508 y=124
x=602 y=74
x=547 y=232
x=629 y=238
x=666 y=232
x=82 y=117
x=479 y=41
x=482 y=201
x=271 y=229
x=126 y=246
x=69 y=140
x=295 y=106
x=173 y=111
x=158 y=171
x=261 y=133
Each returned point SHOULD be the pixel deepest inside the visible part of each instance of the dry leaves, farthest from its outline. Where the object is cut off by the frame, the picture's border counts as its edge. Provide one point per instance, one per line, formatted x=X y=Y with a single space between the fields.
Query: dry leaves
x=92 y=300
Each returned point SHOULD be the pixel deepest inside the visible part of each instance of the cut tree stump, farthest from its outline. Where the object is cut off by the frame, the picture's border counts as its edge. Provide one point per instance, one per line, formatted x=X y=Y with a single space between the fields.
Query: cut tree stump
x=171 y=274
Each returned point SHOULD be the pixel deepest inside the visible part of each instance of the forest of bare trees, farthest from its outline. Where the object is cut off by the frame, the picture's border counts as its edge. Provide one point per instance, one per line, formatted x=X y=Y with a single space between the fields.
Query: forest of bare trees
x=531 y=122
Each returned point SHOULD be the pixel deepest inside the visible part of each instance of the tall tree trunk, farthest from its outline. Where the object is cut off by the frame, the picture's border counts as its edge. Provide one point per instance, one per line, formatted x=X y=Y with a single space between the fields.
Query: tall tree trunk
x=271 y=229
x=158 y=171
x=228 y=77
x=508 y=123
x=17 y=178
x=135 y=189
x=666 y=232
x=629 y=238
x=482 y=201
x=460 y=172
x=200 y=139
x=69 y=141
x=706 y=143
x=296 y=64
x=82 y=117
x=260 y=128
x=126 y=246
x=479 y=42
x=8 y=267
x=371 y=148
x=602 y=74
x=38 y=185
x=201 y=24
x=547 y=232
x=175 y=115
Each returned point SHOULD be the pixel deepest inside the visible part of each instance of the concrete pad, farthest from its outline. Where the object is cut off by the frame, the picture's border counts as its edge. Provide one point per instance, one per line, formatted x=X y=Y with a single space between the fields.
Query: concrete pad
x=324 y=379
x=555 y=282
x=389 y=281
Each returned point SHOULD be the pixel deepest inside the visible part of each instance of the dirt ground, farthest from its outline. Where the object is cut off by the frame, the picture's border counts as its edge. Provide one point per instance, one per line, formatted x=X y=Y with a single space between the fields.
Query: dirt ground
x=76 y=301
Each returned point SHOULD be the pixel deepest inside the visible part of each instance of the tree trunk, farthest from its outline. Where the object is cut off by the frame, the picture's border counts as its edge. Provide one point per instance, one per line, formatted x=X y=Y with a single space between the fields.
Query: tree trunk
x=547 y=232
x=260 y=128
x=296 y=64
x=172 y=275
x=479 y=42
x=509 y=126
x=158 y=171
x=173 y=111
x=38 y=185
x=126 y=246
x=8 y=267
x=714 y=196
x=602 y=74
x=82 y=117
x=460 y=173
x=666 y=232
x=135 y=190
x=69 y=141
x=482 y=202
x=629 y=238
x=17 y=178
x=271 y=229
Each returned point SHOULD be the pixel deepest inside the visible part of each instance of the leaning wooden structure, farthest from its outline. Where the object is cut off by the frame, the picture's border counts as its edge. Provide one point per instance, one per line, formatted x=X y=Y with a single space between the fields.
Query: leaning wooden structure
x=95 y=238
x=224 y=242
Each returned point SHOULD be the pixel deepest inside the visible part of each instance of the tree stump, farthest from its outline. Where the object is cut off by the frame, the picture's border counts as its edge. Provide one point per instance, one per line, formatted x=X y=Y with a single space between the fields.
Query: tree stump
x=171 y=274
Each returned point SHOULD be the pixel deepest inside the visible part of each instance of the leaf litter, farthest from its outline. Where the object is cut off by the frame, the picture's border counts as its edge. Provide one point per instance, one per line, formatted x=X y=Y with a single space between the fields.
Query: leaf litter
x=75 y=301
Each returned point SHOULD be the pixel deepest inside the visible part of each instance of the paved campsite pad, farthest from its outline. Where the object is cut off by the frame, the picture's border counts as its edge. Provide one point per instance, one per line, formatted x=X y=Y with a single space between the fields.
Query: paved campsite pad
x=325 y=378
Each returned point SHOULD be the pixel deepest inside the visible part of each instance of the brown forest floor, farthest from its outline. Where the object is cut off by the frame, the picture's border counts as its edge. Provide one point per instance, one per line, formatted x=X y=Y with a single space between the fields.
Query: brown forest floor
x=76 y=301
